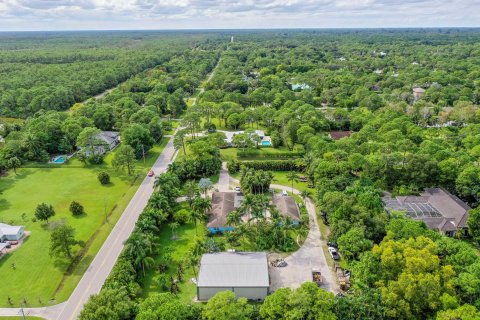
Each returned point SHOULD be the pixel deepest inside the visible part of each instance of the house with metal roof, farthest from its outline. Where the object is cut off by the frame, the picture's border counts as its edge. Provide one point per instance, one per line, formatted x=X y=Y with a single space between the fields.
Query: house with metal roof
x=10 y=233
x=243 y=273
x=438 y=208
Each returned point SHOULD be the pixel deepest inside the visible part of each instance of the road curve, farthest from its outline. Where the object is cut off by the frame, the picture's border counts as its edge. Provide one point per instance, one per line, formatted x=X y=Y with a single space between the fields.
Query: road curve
x=98 y=271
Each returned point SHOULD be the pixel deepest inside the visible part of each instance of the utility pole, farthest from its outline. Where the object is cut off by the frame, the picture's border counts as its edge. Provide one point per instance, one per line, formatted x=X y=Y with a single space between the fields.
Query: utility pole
x=143 y=152
x=23 y=313
x=105 y=209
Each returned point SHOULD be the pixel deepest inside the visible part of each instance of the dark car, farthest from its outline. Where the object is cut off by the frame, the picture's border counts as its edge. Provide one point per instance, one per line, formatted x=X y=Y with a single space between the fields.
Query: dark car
x=332 y=245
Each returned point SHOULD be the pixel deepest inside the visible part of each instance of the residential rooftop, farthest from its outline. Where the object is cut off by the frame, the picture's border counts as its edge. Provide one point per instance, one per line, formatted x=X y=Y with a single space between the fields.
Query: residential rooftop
x=233 y=269
x=438 y=208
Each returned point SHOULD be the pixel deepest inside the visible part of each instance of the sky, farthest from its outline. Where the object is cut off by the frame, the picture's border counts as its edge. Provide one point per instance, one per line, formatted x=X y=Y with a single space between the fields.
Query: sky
x=19 y=15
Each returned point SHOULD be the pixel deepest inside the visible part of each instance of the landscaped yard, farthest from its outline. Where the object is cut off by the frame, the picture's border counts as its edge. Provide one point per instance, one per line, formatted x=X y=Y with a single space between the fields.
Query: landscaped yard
x=36 y=276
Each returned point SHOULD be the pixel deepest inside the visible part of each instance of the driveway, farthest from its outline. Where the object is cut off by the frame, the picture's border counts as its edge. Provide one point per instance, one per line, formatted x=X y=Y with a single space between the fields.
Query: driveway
x=309 y=255
x=300 y=263
x=223 y=184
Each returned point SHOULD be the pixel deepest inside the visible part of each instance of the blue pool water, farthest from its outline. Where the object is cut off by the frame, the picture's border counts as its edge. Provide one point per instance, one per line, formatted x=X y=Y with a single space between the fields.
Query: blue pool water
x=266 y=143
x=59 y=160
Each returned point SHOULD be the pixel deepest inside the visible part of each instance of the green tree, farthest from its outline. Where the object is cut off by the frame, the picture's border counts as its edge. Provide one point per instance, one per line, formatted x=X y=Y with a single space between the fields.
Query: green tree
x=292 y=176
x=62 y=239
x=109 y=304
x=103 y=177
x=44 y=212
x=473 y=223
x=14 y=163
x=307 y=302
x=166 y=306
x=125 y=158
x=223 y=306
x=139 y=138
x=464 y=312
x=89 y=142
x=76 y=208
x=179 y=140
x=468 y=183
x=353 y=243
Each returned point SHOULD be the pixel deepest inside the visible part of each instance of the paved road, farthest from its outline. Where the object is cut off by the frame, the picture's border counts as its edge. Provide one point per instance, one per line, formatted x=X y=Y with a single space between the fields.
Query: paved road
x=93 y=279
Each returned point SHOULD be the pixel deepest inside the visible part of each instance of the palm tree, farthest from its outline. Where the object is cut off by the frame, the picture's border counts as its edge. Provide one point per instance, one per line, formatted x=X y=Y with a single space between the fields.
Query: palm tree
x=205 y=184
x=139 y=246
x=174 y=226
x=200 y=208
x=292 y=176
x=234 y=218
x=246 y=206
x=191 y=191
x=304 y=195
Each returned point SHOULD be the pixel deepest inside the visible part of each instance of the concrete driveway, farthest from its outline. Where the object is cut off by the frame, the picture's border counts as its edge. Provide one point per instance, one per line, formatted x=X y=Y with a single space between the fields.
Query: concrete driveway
x=309 y=255
x=300 y=263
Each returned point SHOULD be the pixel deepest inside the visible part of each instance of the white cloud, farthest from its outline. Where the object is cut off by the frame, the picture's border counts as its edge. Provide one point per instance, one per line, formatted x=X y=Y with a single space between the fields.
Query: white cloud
x=168 y=14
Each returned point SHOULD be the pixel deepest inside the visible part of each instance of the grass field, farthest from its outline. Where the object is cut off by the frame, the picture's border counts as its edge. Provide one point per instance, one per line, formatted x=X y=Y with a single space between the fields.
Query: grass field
x=178 y=249
x=37 y=277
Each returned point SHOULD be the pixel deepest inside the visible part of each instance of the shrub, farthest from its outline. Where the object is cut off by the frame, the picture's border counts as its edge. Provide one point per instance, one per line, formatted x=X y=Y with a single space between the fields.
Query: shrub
x=279 y=155
x=76 y=208
x=182 y=216
x=272 y=165
x=103 y=177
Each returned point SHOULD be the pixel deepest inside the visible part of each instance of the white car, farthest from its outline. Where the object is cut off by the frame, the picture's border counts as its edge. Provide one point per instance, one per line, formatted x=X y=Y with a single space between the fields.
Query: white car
x=237 y=189
x=284 y=193
x=333 y=253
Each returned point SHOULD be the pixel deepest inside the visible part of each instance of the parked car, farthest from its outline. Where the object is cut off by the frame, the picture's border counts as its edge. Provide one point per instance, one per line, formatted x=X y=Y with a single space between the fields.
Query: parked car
x=332 y=244
x=237 y=189
x=284 y=193
x=151 y=173
x=333 y=253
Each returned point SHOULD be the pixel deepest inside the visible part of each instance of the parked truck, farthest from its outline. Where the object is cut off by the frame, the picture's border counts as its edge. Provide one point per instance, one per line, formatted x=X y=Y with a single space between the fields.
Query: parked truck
x=316 y=276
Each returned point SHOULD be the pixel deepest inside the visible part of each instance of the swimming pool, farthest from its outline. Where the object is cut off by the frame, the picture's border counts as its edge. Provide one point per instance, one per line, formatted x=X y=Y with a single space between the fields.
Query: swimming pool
x=266 y=143
x=59 y=160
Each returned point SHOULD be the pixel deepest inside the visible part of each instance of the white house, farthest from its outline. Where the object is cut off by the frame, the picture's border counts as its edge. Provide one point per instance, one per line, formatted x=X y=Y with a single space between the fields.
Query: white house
x=243 y=273
x=10 y=233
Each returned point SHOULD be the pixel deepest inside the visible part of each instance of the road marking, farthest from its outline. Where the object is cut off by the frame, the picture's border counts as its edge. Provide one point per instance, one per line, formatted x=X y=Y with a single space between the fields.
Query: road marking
x=137 y=200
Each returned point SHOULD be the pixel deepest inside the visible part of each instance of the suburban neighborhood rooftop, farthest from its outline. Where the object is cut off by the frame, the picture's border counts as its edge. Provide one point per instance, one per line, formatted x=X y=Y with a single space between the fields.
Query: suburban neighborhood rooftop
x=234 y=269
x=438 y=208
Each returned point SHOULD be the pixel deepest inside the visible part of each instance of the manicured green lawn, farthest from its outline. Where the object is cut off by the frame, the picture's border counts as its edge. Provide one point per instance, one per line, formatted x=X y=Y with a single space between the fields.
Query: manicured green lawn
x=231 y=153
x=280 y=177
x=36 y=276
x=178 y=249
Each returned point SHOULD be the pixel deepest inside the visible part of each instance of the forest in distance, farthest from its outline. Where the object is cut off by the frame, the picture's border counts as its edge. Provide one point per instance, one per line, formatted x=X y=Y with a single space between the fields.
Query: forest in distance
x=405 y=102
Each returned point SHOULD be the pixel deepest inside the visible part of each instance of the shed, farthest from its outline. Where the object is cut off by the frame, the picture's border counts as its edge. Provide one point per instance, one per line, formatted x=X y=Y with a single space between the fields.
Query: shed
x=243 y=273
x=10 y=233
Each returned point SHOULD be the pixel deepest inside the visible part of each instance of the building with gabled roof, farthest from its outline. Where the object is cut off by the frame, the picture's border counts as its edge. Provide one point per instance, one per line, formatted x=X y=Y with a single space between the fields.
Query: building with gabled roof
x=243 y=273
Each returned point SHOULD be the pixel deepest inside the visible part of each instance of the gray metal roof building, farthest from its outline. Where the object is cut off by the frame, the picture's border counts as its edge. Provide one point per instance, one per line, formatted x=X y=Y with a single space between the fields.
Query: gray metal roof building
x=244 y=273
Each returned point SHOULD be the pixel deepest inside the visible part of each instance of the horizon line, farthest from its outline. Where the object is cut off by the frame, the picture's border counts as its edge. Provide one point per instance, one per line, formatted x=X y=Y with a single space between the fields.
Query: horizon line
x=246 y=29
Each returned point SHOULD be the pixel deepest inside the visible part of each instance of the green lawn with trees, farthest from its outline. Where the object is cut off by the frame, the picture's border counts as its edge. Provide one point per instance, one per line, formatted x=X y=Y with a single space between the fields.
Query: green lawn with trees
x=37 y=276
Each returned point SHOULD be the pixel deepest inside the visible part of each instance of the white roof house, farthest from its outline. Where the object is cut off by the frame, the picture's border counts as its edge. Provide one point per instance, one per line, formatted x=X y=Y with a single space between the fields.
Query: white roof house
x=243 y=273
x=11 y=233
x=230 y=134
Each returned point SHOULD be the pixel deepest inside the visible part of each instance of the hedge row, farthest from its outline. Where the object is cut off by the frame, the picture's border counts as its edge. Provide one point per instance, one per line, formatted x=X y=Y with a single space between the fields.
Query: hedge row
x=279 y=155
